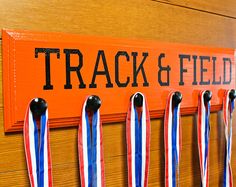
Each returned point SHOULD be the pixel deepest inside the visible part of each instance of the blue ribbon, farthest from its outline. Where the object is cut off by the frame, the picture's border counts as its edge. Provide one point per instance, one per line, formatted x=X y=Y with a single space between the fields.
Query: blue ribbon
x=138 y=149
x=174 y=145
x=207 y=132
x=92 y=150
x=227 y=147
x=39 y=149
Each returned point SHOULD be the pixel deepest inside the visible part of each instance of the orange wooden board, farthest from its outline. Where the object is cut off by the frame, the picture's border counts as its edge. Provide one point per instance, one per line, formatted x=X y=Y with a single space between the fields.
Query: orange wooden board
x=111 y=68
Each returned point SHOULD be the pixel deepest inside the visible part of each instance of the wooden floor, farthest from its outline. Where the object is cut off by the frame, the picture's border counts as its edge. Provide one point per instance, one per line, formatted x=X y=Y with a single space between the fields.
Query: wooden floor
x=198 y=22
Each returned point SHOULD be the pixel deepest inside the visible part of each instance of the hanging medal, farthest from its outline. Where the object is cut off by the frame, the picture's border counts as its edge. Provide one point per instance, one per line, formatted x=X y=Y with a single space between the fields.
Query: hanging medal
x=172 y=139
x=203 y=133
x=228 y=108
x=138 y=141
x=90 y=145
x=37 y=148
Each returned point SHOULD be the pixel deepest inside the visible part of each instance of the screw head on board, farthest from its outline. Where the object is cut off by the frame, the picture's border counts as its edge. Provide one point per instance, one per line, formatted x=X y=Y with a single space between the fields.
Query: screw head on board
x=207 y=96
x=38 y=106
x=177 y=98
x=232 y=94
x=93 y=103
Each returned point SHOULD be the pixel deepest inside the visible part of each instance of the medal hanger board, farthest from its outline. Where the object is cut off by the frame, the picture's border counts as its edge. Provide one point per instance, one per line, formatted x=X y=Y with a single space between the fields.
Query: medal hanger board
x=65 y=68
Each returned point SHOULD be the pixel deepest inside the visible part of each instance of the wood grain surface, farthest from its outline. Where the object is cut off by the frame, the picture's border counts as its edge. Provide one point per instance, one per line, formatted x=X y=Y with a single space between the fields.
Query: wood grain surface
x=221 y=8
x=210 y=23
x=128 y=19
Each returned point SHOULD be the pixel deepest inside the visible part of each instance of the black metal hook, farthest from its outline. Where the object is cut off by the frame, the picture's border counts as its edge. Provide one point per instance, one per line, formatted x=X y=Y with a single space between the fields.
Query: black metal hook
x=207 y=96
x=38 y=106
x=232 y=94
x=93 y=103
x=138 y=100
x=177 y=98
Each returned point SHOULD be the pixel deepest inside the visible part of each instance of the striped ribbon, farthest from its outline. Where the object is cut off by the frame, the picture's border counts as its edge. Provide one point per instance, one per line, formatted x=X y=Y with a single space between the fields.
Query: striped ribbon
x=37 y=150
x=228 y=107
x=203 y=132
x=90 y=148
x=138 y=144
x=172 y=141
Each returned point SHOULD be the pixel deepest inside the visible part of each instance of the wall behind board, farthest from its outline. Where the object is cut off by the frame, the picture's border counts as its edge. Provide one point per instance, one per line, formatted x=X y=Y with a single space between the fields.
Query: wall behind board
x=208 y=23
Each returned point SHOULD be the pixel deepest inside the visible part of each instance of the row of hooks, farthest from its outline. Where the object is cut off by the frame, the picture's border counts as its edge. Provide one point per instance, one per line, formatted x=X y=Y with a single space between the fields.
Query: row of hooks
x=38 y=106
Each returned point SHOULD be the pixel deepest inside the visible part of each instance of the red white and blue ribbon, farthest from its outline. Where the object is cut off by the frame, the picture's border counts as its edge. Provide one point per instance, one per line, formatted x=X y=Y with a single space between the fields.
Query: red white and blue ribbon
x=172 y=141
x=37 y=150
x=203 y=133
x=91 y=150
x=228 y=107
x=138 y=144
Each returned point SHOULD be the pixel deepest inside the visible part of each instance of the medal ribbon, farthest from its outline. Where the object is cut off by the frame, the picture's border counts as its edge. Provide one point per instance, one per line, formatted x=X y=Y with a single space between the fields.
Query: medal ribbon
x=172 y=140
x=37 y=150
x=138 y=144
x=90 y=148
x=228 y=107
x=203 y=131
